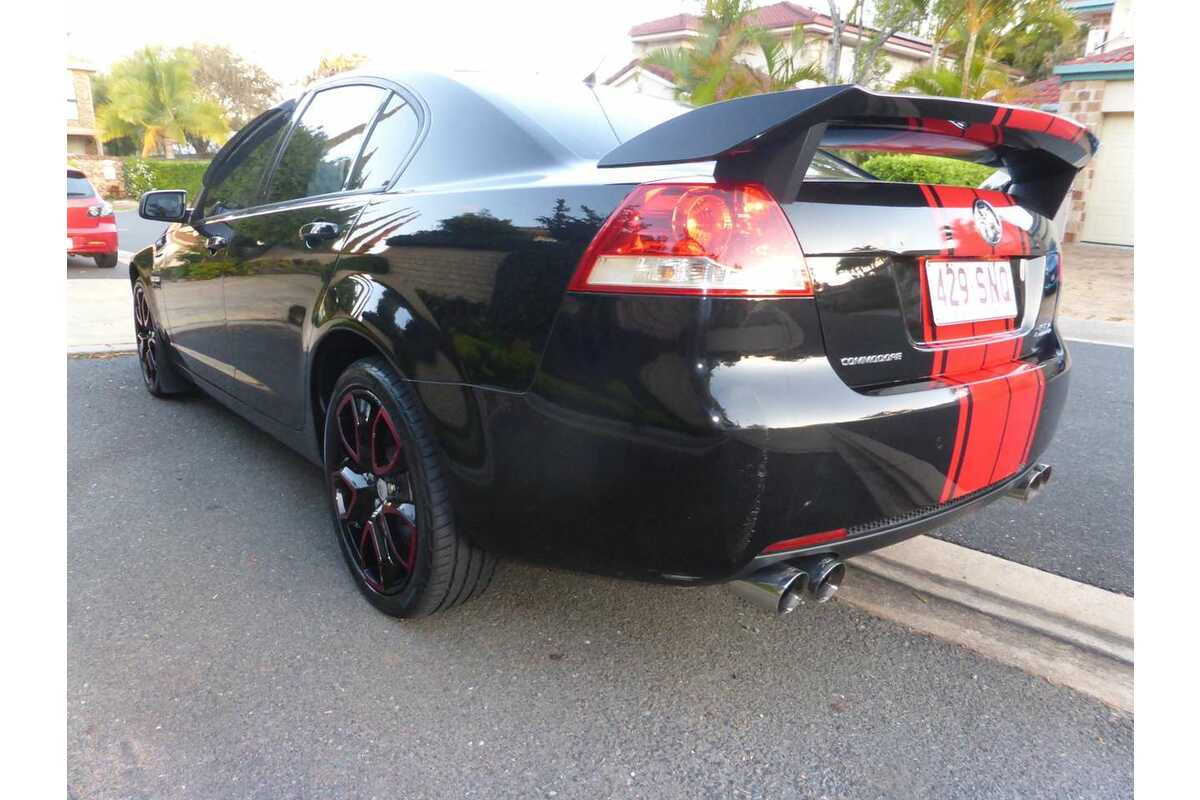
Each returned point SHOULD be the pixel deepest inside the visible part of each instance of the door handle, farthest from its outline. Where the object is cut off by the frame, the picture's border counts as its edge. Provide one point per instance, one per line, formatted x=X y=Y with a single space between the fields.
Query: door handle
x=320 y=231
x=156 y=280
x=215 y=243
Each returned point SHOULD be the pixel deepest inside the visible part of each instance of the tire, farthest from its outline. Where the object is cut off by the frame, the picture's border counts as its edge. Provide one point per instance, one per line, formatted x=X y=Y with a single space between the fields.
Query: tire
x=106 y=260
x=159 y=373
x=415 y=562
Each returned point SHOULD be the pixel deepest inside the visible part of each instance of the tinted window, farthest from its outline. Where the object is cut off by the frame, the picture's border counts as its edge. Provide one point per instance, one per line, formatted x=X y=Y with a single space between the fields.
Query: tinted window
x=390 y=141
x=632 y=113
x=320 y=153
x=235 y=182
x=569 y=112
x=827 y=168
x=78 y=187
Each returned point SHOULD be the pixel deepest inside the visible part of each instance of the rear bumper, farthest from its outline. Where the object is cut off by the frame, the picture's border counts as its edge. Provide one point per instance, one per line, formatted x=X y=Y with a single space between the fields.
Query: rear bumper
x=92 y=241
x=676 y=439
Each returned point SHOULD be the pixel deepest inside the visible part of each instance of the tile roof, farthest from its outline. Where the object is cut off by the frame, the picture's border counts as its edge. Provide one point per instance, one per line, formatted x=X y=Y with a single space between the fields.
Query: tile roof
x=661 y=72
x=776 y=15
x=1040 y=93
x=1120 y=55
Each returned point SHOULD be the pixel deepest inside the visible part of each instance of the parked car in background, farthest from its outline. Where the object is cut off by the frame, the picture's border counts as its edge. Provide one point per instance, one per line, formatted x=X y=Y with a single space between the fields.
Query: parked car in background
x=593 y=330
x=91 y=226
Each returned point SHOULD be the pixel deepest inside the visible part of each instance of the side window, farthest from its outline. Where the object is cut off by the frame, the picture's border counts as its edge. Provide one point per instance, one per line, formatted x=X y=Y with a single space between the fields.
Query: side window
x=391 y=140
x=240 y=173
x=324 y=143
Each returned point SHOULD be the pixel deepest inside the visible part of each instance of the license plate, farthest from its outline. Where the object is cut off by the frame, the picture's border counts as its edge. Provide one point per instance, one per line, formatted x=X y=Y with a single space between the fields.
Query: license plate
x=70 y=243
x=970 y=291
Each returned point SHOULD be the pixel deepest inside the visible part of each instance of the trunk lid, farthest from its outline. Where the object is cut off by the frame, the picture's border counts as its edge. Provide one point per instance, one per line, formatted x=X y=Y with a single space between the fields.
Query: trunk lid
x=867 y=245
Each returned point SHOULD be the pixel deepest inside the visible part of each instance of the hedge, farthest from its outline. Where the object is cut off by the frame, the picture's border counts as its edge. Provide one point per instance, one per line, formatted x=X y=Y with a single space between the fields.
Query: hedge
x=142 y=175
x=905 y=168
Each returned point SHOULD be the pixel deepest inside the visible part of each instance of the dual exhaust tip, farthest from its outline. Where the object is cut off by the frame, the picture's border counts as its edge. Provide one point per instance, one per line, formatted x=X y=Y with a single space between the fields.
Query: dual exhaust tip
x=1032 y=482
x=781 y=588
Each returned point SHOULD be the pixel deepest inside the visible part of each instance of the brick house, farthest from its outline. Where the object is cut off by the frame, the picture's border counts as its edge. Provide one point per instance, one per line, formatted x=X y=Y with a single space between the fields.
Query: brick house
x=1097 y=90
x=901 y=54
x=82 y=137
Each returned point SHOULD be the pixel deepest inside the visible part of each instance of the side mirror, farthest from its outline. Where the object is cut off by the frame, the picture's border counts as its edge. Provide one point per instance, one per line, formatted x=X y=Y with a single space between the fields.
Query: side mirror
x=167 y=205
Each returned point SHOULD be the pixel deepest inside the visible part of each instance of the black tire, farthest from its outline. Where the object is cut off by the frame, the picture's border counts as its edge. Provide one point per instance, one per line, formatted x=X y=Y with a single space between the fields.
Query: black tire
x=377 y=409
x=106 y=260
x=155 y=359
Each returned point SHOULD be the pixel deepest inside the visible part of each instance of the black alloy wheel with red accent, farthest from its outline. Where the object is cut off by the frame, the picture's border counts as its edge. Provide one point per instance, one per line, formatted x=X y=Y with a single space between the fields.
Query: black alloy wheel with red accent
x=390 y=510
x=161 y=377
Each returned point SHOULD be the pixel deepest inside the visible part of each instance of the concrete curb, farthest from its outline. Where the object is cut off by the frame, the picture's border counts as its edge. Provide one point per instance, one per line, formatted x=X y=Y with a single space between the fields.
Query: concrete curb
x=1068 y=632
x=103 y=349
x=1096 y=331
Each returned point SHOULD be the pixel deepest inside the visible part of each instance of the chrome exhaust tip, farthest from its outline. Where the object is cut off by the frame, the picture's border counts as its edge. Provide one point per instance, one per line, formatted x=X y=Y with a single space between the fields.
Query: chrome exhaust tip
x=780 y=588
x=1031 y=483
x=775 y=589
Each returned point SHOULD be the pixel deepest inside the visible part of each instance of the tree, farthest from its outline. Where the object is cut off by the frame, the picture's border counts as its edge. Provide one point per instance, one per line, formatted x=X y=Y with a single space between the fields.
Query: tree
x=152 y=98
x=712 y=69
x=833 y=55
x=1043 y=35
x=975 y=19
x=891 y=17
x=335 y=65
x=243 y=90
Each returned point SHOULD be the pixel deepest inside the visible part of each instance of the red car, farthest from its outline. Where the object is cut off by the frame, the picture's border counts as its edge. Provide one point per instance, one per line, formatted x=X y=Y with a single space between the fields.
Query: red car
x=91 y=226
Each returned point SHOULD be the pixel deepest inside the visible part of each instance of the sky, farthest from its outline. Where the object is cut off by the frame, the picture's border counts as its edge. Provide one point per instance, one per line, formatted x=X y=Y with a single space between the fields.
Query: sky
x=566 y=38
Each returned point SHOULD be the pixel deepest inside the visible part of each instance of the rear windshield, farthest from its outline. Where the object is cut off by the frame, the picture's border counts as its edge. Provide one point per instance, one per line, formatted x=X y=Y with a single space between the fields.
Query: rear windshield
x=889 y=153
x=79 y=187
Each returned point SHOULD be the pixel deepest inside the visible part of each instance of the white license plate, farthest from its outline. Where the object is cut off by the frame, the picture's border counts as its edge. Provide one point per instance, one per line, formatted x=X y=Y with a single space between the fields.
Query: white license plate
x=70 y=243
x=970 y=291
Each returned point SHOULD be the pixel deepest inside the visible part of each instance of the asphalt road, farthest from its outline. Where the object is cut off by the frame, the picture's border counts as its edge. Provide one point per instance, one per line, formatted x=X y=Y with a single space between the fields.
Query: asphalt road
x=1081 y=526
x=217 y=648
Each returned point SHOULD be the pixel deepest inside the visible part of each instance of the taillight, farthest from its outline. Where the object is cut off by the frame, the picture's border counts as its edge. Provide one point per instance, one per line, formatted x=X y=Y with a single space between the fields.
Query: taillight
x=695 y=239
x=105 y=209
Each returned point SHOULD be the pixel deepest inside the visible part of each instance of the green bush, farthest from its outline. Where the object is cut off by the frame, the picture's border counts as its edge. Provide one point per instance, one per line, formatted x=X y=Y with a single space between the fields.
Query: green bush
x=142 y=175
x=905 y=168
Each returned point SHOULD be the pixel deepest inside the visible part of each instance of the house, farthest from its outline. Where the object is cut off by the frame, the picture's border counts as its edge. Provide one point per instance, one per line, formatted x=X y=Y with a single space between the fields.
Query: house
x=82 y=137
x=1097 y=91
x=901 y=54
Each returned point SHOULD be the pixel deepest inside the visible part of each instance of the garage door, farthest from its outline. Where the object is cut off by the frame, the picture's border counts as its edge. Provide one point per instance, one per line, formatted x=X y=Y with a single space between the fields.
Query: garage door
x=1110 y=202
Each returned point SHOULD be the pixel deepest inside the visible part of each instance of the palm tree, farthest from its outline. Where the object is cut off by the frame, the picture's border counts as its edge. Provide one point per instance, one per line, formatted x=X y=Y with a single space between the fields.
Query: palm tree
x=986 y=80
x=153 y=98
x=710 y=70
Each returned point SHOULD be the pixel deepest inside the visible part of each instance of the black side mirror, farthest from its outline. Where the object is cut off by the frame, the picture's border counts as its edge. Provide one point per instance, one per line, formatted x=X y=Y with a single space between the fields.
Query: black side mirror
x=167 y=205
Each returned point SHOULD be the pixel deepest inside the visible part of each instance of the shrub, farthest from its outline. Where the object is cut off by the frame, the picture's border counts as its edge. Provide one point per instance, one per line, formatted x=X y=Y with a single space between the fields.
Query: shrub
x=142 y=175
x=905 y=168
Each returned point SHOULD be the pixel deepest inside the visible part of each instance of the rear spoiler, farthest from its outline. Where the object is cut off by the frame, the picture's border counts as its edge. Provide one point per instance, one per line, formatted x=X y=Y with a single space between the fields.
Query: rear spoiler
x=771 y=138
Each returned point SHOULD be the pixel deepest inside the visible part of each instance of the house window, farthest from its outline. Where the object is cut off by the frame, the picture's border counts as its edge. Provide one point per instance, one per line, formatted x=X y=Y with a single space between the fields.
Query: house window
x=72 y=102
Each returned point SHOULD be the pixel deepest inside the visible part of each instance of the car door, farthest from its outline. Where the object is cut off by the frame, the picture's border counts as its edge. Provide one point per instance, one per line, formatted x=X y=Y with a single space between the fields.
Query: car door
x=192 y=260
x=286 y=251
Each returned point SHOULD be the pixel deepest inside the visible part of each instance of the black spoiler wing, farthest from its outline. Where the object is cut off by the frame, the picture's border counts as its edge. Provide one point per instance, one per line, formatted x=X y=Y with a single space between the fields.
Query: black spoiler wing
x=771 y=138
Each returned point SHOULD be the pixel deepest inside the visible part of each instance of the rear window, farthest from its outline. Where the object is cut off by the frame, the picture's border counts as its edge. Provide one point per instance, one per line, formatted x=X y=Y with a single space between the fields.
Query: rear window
x=903 y=155
x=79 y=187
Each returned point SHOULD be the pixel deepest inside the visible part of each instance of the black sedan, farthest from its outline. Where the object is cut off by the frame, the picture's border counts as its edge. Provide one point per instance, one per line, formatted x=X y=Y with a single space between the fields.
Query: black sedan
x=610 y=333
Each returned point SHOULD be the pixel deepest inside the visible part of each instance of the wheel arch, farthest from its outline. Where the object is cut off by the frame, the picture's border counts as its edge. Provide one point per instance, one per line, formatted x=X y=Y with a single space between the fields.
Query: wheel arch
x=340 y=345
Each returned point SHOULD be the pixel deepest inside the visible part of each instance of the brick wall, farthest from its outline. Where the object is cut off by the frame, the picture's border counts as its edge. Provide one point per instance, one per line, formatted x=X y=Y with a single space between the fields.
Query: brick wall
x=106 y=174
x=1082 y=101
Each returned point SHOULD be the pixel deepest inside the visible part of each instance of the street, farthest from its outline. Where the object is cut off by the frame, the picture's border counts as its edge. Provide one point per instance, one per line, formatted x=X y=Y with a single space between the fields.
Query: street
x=218 y=648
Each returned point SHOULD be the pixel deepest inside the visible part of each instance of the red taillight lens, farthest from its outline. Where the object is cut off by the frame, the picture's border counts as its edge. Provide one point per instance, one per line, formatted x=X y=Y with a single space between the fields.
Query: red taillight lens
x=705 y=239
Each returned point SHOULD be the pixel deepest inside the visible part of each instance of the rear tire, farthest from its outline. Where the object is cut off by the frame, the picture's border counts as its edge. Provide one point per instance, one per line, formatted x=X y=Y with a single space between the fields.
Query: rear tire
x=106 y=260
x=399 y=539
x=155 y=359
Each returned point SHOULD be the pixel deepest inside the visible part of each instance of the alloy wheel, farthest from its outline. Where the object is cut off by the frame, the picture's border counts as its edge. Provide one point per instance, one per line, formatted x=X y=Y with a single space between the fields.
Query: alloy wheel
x=147 y=337
x=373 y=492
